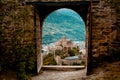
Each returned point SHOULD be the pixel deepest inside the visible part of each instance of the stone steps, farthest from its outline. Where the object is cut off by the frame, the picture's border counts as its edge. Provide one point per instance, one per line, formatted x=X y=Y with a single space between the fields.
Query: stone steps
x=62 y=67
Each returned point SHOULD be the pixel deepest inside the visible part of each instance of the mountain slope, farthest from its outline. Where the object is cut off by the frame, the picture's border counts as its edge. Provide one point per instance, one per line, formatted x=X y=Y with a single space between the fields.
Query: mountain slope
x=59 y=24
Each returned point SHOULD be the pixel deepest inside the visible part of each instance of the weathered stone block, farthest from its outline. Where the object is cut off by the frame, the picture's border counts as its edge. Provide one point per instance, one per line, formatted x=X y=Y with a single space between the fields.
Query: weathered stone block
x=98 y=37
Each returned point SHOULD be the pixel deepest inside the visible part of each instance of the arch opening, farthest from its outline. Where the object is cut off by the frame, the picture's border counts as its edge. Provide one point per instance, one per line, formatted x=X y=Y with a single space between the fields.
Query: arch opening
x=44 y=9
x=64 y=38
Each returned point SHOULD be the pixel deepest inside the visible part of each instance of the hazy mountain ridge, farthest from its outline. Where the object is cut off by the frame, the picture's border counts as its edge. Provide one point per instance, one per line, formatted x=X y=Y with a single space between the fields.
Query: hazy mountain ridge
x=60 y=18
x=59 y=24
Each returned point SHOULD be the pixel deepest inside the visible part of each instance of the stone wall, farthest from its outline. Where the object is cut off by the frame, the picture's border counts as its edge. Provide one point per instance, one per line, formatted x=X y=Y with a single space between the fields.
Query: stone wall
x=17 y=40
x=104 y=19
x=104 y=31
x=15 y=15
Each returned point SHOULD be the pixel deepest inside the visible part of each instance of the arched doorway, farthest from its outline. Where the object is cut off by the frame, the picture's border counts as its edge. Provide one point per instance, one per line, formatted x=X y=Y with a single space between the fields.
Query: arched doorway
x=63 y=39
x=42 y=9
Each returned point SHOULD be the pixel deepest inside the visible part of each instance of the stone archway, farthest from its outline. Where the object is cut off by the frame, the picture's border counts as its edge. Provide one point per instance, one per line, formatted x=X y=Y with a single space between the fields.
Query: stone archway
x=42 y=9
x=61 y=27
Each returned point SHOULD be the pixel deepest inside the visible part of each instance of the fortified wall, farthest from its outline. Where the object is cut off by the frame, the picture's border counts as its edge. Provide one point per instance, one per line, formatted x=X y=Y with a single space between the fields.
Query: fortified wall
x=15 y=16
x=105 y=31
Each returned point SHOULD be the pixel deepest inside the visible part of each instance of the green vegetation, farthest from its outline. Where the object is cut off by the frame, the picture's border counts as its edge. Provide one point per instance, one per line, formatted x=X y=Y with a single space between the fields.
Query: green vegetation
x=17 y=49
x=73 y=51
x=83 y=63
x=76 y=63
x=49 y=59
x=60 y=53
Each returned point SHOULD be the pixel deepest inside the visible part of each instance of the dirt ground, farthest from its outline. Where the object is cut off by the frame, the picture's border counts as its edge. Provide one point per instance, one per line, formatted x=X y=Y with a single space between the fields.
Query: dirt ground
x=60 y=75
x=106 y=71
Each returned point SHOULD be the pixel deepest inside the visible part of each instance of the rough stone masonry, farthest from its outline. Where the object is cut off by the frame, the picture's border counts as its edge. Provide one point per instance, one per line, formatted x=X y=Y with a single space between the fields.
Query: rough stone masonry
x=105 y=22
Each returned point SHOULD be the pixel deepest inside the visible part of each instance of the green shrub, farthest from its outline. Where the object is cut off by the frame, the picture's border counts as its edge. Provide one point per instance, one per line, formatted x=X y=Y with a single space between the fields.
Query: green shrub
x=16 y=53
x=23 y=76
x=76 y=63
x=49 y=59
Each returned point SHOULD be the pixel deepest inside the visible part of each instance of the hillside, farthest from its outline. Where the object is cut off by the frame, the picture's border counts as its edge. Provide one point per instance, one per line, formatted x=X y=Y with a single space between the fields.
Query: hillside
x=59 y=24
